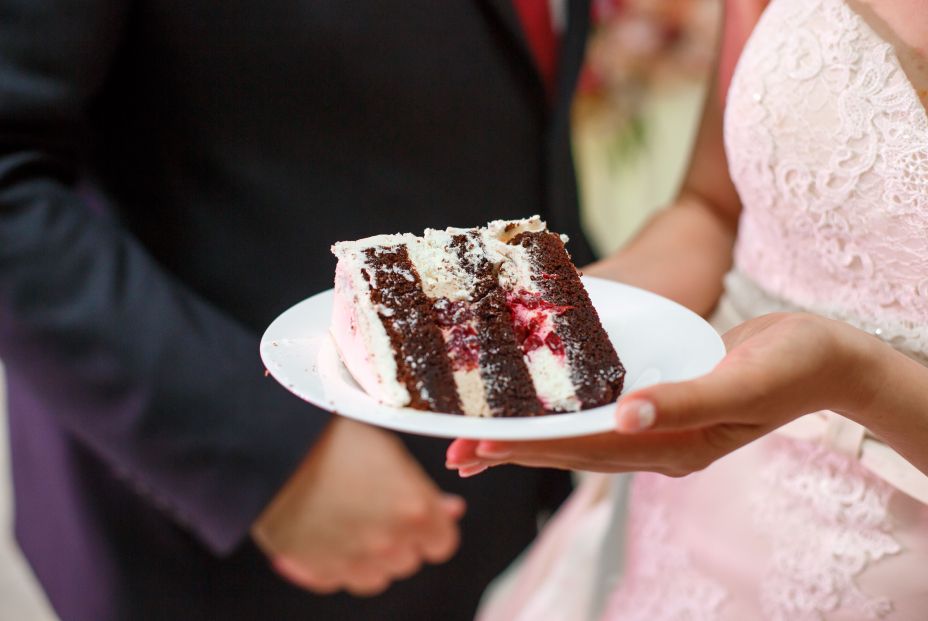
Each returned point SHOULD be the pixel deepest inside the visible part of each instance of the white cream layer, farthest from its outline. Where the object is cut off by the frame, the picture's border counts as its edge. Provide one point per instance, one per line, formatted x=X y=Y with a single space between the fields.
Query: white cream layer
x=443 y=276
x=440 y=271
x=472 y=392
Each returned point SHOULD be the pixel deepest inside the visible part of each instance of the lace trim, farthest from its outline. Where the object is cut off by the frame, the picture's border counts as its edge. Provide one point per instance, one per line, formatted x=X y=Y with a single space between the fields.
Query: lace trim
x=826 y=519
x=664 y=584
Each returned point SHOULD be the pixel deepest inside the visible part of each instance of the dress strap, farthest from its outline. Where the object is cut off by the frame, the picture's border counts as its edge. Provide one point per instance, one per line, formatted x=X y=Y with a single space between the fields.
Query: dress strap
x=849 y=438
x=843 y=435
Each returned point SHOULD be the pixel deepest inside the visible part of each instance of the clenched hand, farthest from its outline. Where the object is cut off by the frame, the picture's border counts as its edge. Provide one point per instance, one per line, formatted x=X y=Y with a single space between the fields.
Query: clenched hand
x=358 y=514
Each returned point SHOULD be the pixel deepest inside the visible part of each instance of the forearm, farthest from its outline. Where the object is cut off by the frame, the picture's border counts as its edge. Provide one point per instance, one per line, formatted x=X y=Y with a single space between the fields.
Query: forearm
x=685 y=250
x=893 y=399
x=682 y=253
x=161 y=385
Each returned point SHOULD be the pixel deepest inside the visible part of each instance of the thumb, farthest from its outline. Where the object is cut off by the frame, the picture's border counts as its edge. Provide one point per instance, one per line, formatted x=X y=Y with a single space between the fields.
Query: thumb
x=702 y=402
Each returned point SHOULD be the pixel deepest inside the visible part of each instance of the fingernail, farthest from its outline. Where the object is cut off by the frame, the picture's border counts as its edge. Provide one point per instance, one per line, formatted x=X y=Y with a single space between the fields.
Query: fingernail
x=471 y=471
x=456 y=465
x=635 y=415
x=491 y=452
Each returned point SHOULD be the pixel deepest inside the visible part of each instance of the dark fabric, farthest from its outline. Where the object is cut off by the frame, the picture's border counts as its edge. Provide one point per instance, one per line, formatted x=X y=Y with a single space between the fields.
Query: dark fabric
x=172 y=174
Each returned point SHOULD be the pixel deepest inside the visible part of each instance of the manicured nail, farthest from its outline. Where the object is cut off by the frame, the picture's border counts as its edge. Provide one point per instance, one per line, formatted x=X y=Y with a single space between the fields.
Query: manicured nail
x=471 y=471
x=456 y=465
x=493 y=452
x=635 y=415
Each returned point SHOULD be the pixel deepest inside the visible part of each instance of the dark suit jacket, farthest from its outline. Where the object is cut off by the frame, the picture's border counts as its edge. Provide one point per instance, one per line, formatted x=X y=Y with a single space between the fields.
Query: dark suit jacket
x=172 y=173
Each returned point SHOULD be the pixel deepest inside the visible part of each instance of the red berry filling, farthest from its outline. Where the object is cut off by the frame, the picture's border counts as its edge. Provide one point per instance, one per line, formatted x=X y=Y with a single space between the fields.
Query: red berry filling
x=533 y=321
x=456 y=322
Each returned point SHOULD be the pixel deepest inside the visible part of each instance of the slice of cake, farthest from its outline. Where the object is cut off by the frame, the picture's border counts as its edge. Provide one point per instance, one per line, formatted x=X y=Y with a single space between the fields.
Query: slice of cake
x=484 y=322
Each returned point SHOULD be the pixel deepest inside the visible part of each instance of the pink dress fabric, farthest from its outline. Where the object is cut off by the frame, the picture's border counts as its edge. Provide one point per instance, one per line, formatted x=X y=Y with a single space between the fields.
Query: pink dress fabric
x=827 y=143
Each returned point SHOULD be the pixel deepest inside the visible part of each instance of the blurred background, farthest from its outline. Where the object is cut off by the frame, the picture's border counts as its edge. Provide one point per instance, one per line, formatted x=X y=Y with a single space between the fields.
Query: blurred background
x=637 y=106
x=20 y=597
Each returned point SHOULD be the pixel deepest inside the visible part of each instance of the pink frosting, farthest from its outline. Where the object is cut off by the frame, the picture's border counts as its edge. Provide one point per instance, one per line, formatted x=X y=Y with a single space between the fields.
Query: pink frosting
x=351 y=345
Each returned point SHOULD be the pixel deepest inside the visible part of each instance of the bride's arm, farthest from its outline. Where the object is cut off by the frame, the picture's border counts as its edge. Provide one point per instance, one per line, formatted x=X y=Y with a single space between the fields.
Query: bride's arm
x=685 y=249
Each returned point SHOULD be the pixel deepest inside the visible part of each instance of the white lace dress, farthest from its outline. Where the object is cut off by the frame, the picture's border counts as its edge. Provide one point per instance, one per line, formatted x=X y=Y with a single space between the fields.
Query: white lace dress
x=827 y=143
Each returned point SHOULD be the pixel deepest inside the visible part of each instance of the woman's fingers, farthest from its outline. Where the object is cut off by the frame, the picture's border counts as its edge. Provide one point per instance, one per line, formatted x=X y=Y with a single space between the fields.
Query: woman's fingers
x=608 y=452
x=777 y=367
x=462 y=453
x=729 y=394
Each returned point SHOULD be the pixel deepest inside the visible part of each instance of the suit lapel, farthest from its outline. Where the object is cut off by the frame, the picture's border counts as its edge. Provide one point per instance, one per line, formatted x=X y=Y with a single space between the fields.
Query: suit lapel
x=570 y=55
x=572 y=52
x=503 y=14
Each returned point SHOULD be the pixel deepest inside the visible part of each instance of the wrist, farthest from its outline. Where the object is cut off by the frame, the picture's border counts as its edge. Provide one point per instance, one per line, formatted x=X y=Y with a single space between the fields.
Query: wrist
x=865 y=373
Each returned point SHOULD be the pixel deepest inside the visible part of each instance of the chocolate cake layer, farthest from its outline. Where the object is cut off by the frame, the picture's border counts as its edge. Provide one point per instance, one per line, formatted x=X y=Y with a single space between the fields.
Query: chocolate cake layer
x=508 y=385
x=597 y=373
x=412 y=327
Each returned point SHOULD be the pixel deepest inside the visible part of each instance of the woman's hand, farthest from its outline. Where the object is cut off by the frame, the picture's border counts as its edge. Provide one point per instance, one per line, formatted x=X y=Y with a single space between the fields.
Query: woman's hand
x=778 y=367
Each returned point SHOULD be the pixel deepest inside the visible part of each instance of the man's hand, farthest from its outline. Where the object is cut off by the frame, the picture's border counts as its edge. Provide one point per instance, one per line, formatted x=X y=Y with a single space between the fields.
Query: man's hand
x=358 y=514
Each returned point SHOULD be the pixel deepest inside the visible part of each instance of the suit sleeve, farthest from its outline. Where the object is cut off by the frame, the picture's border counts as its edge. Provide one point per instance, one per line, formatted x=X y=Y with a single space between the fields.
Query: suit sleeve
x=160 y=384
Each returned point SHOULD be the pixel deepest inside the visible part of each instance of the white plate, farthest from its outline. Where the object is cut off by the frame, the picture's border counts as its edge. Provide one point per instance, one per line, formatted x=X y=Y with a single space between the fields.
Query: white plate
x=657 y=340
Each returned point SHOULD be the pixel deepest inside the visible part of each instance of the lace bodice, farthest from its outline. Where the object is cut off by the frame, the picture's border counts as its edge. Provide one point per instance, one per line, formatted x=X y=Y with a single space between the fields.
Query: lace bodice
x=827 y=144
